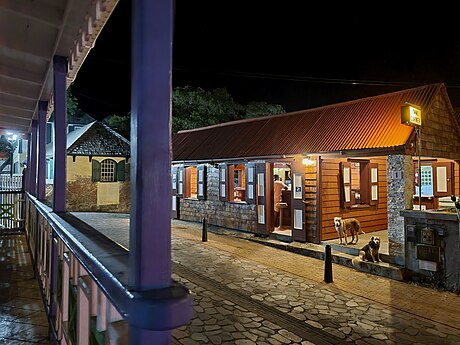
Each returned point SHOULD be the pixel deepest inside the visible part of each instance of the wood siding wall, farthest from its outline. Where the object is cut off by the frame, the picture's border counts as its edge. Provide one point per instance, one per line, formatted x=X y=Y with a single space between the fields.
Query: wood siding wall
x=373 y=218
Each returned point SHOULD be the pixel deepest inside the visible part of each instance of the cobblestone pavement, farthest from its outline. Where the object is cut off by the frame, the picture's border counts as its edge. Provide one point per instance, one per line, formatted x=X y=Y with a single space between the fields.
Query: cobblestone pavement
x=247 y=293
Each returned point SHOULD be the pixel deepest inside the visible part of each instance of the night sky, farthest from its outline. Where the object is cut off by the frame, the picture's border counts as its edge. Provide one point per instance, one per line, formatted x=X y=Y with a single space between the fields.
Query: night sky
x=283 y=53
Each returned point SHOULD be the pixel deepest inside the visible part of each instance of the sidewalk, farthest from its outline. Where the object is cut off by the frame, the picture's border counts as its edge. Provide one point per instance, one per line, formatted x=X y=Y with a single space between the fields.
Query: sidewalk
x=441 y=307
x=247 y=293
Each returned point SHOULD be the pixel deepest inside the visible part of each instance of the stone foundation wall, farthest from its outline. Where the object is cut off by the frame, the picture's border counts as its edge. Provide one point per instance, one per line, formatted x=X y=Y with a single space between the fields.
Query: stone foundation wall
x=232 y=215
x=400 y=182
x=82 y=197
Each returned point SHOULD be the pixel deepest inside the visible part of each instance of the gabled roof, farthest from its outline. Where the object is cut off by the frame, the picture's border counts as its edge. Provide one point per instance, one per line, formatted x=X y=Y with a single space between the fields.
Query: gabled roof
x=368 y=123
x=95 y=139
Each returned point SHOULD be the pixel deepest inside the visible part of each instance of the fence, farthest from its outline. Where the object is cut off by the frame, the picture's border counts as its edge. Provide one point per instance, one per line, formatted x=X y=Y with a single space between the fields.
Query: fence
x=11 y=183
x=11 y=202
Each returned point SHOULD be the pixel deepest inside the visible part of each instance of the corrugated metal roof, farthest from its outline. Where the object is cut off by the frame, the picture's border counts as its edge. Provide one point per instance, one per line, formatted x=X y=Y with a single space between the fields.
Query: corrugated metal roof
x=368 y=123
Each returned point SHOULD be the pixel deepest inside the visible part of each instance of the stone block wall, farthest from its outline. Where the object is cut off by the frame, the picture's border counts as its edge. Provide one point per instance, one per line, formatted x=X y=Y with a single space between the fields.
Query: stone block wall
x=442 y=266
x=400 y=182
x=234 y=215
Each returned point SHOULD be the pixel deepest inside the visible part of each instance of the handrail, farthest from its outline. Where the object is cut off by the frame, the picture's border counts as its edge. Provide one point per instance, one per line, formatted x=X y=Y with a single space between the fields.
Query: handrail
x=113 y=288
x=156 y=309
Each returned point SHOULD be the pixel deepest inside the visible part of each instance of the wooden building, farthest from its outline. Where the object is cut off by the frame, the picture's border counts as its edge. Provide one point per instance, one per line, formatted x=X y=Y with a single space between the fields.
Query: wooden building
x=352 y=159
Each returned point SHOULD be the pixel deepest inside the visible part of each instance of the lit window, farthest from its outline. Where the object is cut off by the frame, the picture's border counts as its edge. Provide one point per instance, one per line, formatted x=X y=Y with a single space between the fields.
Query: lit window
x=239 y=182
x=359 y=183
x=190 y=183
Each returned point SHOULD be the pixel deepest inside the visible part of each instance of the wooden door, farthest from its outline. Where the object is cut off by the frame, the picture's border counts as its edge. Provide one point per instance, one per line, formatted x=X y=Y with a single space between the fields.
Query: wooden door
x=264 y=203
x=299 y=232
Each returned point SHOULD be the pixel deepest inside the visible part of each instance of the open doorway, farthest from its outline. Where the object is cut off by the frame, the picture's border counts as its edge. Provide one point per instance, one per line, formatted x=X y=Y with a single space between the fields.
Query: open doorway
x=282 y=199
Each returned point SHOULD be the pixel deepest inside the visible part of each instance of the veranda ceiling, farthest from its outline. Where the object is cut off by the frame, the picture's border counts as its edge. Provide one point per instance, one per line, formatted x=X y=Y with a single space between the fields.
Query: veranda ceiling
x=31 y=33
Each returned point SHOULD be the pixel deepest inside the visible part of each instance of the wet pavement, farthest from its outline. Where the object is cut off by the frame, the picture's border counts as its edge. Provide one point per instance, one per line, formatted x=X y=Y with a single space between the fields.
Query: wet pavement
x=248 y=293
x=22 y=315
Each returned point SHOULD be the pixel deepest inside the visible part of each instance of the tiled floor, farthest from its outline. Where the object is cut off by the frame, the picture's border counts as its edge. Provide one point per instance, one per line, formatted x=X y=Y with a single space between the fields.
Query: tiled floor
x=22 y=315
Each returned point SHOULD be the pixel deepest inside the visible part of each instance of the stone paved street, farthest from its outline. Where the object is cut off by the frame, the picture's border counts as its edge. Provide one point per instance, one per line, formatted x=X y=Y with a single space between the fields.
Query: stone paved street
x=247 y=293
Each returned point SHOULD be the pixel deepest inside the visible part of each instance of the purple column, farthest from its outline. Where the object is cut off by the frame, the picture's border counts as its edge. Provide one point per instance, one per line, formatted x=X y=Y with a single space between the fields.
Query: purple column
x=60 y=133
x=150 y=224
x=26 y=178
x=41 y=180
x=33 y=160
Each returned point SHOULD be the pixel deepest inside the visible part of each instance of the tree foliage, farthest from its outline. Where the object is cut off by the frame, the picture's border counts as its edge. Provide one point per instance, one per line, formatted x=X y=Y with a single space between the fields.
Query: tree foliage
x=195 y=107
x=120 y=124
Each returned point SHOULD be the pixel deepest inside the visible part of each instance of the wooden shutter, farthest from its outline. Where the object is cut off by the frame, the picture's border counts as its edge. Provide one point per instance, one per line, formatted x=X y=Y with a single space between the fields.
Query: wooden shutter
x=345 y=184
x=96 y=173
x=262 y=194
x=250 y=183
x=374 y=184
x=180 y=181
x=443 y=179
x=175 y=203
x=121 y=170
x=223 y=190
x=201 y=181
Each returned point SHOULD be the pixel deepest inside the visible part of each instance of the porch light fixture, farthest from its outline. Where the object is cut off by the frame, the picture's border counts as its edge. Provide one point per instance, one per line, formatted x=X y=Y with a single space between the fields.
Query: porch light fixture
x=307 y=161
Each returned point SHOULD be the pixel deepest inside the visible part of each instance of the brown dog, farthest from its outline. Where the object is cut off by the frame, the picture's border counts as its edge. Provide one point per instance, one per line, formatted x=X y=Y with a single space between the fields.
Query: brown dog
x=351 y=224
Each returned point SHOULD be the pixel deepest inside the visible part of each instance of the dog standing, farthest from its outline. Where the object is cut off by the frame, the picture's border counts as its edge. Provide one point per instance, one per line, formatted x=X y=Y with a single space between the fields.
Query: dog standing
x=343 y=225
x=370 y=252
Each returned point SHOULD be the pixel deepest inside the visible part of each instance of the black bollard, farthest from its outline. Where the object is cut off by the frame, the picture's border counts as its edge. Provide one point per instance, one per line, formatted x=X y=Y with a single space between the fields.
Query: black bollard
x=328 y=264
x=204 y=235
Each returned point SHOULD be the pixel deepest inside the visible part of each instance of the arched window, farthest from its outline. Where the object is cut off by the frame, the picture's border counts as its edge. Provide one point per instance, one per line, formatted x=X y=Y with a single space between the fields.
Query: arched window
x=108 y=170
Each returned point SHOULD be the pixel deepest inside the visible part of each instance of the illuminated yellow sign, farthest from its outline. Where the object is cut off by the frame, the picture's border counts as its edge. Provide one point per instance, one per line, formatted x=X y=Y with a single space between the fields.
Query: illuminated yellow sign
x=411 y=115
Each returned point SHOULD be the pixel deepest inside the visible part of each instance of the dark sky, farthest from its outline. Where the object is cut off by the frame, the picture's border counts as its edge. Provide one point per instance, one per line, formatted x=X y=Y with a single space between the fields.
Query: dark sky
x=288 y=53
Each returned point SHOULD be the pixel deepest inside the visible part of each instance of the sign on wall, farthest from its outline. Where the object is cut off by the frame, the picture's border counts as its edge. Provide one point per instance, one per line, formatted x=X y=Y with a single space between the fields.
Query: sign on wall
x=411 y=115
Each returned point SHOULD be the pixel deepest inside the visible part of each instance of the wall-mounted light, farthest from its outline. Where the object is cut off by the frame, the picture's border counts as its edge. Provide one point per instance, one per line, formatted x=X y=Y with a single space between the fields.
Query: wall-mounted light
x=308 y=161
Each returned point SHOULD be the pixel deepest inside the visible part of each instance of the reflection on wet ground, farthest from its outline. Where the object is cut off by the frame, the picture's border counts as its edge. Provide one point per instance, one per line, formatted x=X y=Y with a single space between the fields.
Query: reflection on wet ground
x=22 y=315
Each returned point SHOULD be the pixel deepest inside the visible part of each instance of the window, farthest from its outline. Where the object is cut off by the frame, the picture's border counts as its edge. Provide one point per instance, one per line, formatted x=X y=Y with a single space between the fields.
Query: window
x=436 y=178
x=191 y=189
x=235 y=189
x=190 y=181
x=359 y=183
x=108 y=170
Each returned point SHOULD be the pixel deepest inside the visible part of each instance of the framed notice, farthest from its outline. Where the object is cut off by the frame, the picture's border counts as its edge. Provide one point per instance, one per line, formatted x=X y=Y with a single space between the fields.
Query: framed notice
x=297 y=186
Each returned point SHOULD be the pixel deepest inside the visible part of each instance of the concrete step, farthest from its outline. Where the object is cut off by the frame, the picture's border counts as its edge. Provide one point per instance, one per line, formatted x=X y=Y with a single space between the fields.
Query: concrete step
x=340 y=257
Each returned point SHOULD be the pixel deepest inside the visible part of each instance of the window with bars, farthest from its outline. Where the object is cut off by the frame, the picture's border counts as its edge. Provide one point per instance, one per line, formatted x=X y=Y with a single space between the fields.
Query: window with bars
x=108 y=170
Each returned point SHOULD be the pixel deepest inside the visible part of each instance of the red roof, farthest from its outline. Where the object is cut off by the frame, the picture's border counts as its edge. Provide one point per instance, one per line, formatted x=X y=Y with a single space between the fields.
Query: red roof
x=368 y=123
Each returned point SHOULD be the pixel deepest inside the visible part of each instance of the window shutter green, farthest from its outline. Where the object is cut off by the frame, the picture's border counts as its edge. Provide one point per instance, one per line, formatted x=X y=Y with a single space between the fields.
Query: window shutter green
x=96 y=171
x=121 y=171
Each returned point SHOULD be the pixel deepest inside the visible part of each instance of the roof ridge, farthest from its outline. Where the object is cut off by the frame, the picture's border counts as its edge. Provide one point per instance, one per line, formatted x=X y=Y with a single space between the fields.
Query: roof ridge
x=262 y=118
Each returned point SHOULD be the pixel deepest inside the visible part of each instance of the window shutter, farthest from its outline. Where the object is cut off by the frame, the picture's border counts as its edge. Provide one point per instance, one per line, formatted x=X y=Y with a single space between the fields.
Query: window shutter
x=96 y=175
x=250 y=183
x=180 y=181
x=443 y=179
x=345 y=182
x=20 y=146
x=223 y=182
x=374 y=184
x=121 y=171
x=201 y=181
x=174 y=205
